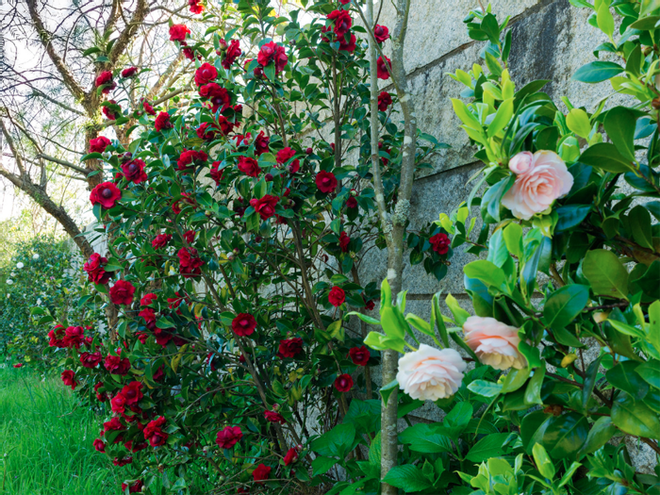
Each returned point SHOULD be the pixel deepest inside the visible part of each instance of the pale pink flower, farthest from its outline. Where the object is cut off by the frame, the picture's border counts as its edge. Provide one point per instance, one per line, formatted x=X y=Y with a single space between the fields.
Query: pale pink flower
x=431 y=374
x=495 y=343
x=538 y=183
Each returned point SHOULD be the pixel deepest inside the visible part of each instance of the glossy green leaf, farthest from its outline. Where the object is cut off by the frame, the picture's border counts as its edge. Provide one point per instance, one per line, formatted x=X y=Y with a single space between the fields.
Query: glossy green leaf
x=598 y=71
x=606 y=156
x=565 y=304
x=601 y=433
x=485 y=388
x=606 y=274
x=408 y=477
x=623 y=377
x=489 y=446
x=635 y=418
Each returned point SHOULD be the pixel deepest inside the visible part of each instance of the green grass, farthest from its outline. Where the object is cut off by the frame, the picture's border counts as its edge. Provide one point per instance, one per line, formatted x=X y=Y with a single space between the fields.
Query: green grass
x=46 y=440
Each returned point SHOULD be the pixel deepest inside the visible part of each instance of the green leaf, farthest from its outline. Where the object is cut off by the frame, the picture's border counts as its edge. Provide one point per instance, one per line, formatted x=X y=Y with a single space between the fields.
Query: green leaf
x=502 y=118
x=563 y=436
x=269 y=70
x=364 y=318
x=577 y=121
x=565 y=304
x=543 y=462
x=426 y=438
x=322 y=465
x=515 y=379
x=409 y=478
x=650 y=372
x=466 y=116
x=601 y=433
x=590 y=381
x=439 y=322
x=488 y=273
x=460 y=315
x=387 y=390
x=640 y=224
x=595 y=72
x=648 y=6
x=623 y=377
x=513 y=236
x=620 y=125
x=485 y=388
x=487 y=447
x=635 y=418
x=606 y=274
x=606 y=156
x=605 y=19
x=533 y=390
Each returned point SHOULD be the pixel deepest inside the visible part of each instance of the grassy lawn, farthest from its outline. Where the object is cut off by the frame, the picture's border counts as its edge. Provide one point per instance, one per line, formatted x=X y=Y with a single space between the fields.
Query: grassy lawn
x=46 y=440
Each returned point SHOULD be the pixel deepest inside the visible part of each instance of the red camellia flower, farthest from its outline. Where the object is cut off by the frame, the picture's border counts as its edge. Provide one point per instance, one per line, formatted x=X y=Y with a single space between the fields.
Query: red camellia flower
x=148 y=299
x=244 y=324
x=261 y=143
x=136 y=487
x=384 y=101
x=232 y=52
x=113 y=425
x=370 y=305
x=149 y=316
x=132 y=393
x=101 y=396
x=94 y=267
x=18 y=365
x=337 y=296
x=196 y=7
x=178 y=32
x=74 y=337
x=347 y=46
x=207 y=131
x=382 y=68
x=274 y=417
x=440 y=243
x=99 y=144
x=105 y=194
x=134 y=171
x=216 y=172
x=290 y=348
x=344 y=241
x=123 y=461
x=154 y=433
x=161 y=240
x=342 y=22
x=228 y=437
x=162 y=121
x=270 y=52
x=105 y=79
x=261 y=473
x=218 y=95
x=284 y=155
x=249 y=166
x=56 y=336
x=99 y=445
x=326 y=181
x=381 y=33
x=190 y=157
x=148 y=108
x=109 y=112
x=265 y=206
x=189 y=262
x=116 y=364
x=122 y=293
x=189 y=53
x=359 y=355
x=129 y=72
x=118 y=404
x=291 y=456
x=344 y=382
x=69 y=379
x=90 y=360
x=205 y=74
x=351 y=202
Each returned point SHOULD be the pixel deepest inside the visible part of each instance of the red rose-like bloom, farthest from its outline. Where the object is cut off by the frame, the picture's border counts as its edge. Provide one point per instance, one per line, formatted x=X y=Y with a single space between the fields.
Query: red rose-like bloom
x=217 y=94
x=129 y=72
x=99 y=445
x=265 y=206
x=136 y=487
x=161 y=240
x=249 y=166
x=178 y=32
x=18 y=365
x=326 y=181
x=291 y=456
x=382 y=68
x=229 y=437
x=122 y=462
x=122 y=293
x=284 y=155
x=216 y=173
x=244 y=324
x=347 y=46
x=381 y=33
x=113 y=425
x=56 y=336
x=344 y=383
x=205 y=74
x=148 y=108
x=231 y=54
x=207 y=131
x=106 y=194
x=90 y=360
x=148 y=299
x=162 y=121
x=105 y=79
x=109 y=112
x=273 y=52
x=149 y=316
x=134 y=171
x=337 y=296
x=195 y=6
x=261 y=473
x=384 y=101
x=440 y=243
x=69 y=379
x=118 y=404
x=344 y=241
x=189 y=262
x=116 y=365
x=342 y=21
x=154 y=434
x=132 y=393
x=261 y=143
x=99 y=144
x=351 y=202
x=359 y=355
x=74 y=336
x=190 y=157
x=290 y=348
x=95 y=271
x=370 y=305
x=274 y=417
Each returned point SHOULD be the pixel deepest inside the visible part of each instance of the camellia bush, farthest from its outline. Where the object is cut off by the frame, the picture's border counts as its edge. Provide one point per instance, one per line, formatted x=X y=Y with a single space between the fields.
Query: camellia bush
x=553 y=377
x=236 y=220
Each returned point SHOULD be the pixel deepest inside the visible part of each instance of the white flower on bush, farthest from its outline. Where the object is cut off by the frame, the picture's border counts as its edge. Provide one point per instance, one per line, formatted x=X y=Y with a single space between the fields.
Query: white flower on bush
x=494 y=343
x=541 y=178
x=35 y=256
x=19 y=265
x=431 y=374
x=10 y=281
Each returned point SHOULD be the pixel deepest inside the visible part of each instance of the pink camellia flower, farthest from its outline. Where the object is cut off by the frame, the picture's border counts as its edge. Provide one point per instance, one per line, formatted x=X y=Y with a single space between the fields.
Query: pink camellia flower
x=541 y=178
x=495 y=343
x=228 y=437
x=431 y=374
